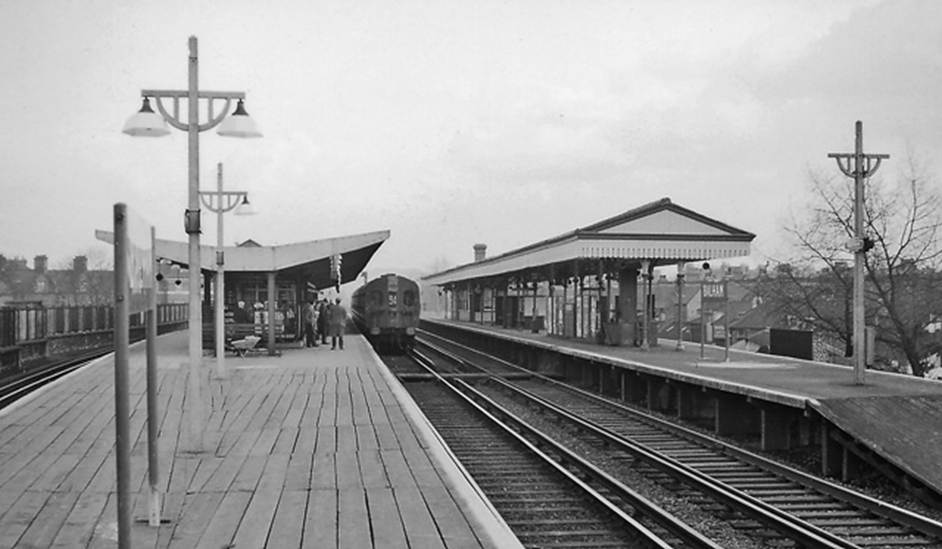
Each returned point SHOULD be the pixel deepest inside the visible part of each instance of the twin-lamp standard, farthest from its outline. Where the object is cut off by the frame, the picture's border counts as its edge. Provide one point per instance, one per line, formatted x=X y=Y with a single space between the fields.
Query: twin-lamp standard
x=220 y=202
x=147 y=123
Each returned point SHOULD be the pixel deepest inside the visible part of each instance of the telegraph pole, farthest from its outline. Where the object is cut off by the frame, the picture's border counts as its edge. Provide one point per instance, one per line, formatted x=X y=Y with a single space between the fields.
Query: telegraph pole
x=864 y=166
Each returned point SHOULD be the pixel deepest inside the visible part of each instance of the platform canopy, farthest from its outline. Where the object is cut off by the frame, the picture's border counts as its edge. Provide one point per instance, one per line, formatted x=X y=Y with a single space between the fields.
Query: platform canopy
x=658 y=233
x=309 y=260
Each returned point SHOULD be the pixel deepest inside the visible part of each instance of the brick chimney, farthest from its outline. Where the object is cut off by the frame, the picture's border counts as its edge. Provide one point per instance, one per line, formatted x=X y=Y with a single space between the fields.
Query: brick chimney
x=80 y=264
x=40 y=263
x=480 y=252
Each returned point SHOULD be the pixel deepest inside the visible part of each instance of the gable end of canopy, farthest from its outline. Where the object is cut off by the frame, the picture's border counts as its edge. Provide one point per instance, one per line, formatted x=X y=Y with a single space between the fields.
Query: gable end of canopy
x=660 y=231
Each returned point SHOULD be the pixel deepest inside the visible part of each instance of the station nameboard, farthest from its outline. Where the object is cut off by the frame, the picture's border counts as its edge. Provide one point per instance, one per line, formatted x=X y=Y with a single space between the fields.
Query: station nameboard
x=713 y=293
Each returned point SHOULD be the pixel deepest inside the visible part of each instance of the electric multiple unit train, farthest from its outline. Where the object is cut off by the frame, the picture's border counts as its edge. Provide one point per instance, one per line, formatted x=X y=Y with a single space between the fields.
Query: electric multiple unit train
x=386 y=310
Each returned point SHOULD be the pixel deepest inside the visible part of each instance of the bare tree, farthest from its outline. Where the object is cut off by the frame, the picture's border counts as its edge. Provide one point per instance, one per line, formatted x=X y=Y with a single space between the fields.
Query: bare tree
x=904 y=286
x=818 y=299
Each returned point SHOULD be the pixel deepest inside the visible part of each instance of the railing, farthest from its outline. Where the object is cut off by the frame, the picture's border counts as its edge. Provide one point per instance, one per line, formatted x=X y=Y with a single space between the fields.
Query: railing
x=30 y=332
x=7 y=327
x=24 y=324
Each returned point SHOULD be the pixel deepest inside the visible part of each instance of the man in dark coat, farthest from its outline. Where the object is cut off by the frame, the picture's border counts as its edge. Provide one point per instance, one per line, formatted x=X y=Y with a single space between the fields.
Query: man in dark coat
x=338 y=322
x=310 y=324
x=322 y=320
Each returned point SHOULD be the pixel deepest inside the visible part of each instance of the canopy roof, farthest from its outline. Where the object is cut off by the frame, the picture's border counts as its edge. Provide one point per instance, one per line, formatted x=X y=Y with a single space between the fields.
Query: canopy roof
x=660 y=232
x=309 y=260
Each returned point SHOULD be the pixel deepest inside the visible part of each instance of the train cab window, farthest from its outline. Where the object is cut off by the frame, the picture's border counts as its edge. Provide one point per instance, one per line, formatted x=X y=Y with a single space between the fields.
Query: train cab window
x=393 y=299
x=408 y=298
x=376 y=298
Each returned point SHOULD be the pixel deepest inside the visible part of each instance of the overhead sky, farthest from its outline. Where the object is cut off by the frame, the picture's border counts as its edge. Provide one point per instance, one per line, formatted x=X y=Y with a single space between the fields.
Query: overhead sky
x=455 y=122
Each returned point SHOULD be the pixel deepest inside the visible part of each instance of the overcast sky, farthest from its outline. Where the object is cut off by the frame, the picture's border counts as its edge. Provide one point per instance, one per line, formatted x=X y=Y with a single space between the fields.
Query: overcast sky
x=455 y=122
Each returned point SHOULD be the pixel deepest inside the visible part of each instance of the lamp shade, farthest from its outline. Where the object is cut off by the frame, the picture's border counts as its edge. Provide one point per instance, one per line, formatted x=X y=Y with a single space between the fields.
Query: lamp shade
x=146 y=123
x=239 y=124
x=245 y=208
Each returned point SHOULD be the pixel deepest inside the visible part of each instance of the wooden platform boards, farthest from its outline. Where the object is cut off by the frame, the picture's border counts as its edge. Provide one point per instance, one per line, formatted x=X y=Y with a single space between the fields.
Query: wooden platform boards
x=897 y=416
x=316 y=448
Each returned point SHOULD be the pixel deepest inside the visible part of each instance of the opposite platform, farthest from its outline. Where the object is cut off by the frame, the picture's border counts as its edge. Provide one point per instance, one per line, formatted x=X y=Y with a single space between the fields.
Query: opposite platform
x=895 y=416
x=315 y=448
x=781 y=379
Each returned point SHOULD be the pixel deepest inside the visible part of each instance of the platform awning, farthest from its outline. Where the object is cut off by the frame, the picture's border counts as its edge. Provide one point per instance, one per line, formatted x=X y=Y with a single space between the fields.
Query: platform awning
x=660 y=232
x=310 y=260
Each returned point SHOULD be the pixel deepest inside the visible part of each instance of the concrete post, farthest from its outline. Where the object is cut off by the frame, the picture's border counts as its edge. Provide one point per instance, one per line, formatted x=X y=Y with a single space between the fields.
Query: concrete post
x=272 y=297
x=627 y=303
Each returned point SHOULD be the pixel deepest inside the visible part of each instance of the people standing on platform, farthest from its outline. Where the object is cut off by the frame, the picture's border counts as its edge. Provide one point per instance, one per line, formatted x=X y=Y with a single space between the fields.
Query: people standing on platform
x=241 y=315
x=279 y=322
x=291 y=325
x=338 y=322
x=310 y=324
x=323 y=307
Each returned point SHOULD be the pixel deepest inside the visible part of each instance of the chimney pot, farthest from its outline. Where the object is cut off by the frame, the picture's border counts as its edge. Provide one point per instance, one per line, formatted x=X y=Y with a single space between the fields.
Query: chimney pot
x=80 y=264
x=480 y=252
x=40 y=263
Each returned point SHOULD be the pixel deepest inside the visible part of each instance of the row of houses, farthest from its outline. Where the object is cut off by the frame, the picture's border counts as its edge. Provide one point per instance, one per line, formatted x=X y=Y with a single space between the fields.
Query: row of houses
x=76 y=285
x=753 y=323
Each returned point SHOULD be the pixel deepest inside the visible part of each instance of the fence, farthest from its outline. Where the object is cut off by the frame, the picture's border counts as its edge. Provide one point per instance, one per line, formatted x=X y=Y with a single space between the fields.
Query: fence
x=30 y=323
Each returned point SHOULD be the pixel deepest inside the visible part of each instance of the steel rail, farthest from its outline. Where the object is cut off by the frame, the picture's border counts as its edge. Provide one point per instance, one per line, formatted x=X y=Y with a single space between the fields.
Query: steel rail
x=785 y=524
x=919 y=523
x=501 y=416
x=18 y=388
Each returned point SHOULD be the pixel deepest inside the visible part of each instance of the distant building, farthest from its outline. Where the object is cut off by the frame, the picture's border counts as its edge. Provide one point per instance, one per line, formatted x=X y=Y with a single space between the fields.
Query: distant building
x=54 y=287
x=76 y=286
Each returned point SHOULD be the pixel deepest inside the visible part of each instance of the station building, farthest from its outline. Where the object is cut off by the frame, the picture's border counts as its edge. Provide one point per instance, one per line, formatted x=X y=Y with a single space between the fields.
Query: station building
x=584 y=284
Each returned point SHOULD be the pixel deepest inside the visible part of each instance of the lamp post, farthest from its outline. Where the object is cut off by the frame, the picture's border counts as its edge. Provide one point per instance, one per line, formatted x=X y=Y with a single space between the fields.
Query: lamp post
x=220 y=202
x=859 y=166
x=147 y=123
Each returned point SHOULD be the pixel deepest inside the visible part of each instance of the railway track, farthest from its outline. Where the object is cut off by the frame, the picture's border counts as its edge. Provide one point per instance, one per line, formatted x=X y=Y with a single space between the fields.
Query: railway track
x=547 y=495
x=18 y=387
x=765 y=493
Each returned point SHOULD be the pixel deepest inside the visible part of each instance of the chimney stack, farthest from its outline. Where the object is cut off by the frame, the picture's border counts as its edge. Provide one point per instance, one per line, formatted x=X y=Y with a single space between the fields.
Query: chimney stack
x=480 y=251
x=80 y=264
x=40 y=262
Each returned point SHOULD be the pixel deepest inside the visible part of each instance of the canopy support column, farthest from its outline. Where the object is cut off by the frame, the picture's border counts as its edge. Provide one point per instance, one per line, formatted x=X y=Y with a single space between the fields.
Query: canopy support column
x=627 y=303
x=272 y=297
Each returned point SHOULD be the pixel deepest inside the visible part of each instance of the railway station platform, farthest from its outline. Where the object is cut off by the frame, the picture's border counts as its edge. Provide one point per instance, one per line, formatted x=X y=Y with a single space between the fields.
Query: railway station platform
x=892 y=421
x=315 y=448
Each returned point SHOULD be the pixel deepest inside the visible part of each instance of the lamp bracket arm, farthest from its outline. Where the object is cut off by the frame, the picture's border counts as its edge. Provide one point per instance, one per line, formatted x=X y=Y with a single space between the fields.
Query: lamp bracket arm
x=215 y=120
x=233 y=199
x=202 y=94
x=843 y=163
x=227 y=200
x=876 y=166
x=172 y=120
x=207 y=200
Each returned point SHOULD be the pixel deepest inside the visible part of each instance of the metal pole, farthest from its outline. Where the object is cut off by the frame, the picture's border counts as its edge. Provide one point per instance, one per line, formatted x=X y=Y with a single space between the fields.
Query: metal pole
x=645 y=268
x=859 y=359
x=220 y=282
x=533 y=325
x=702 y=319
x=195 y=397
x=272 y=296
x=726 y=318
x=859 y=166
x=121 y=398
x=680 y=307
x=153 y=469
